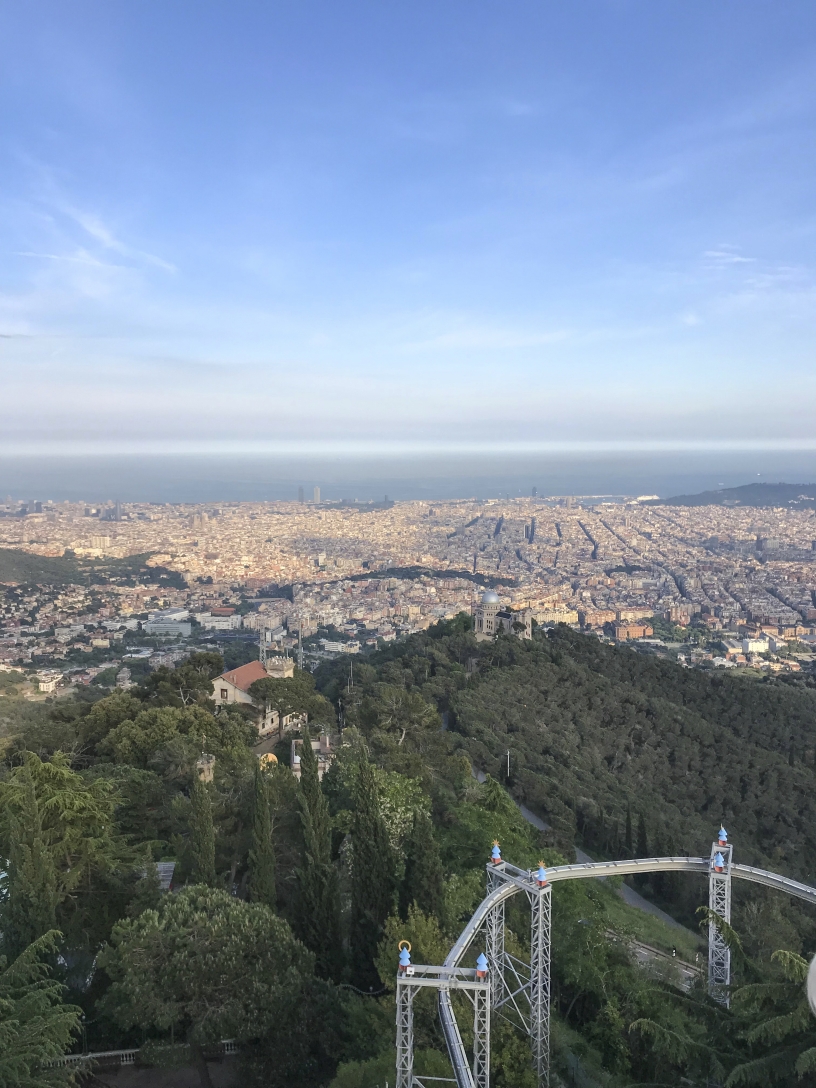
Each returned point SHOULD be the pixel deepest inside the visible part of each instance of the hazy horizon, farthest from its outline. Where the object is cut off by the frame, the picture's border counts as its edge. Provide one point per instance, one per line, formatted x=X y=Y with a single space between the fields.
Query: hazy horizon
x=231 y=478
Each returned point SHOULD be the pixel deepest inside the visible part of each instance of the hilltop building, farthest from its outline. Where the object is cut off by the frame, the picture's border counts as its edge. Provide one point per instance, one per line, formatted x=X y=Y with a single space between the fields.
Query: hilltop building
x=233 y=687
x=489 y=618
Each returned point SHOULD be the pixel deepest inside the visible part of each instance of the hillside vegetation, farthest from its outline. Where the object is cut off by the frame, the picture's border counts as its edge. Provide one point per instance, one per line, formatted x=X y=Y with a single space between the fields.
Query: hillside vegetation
x=602 y=739
x=291 y=896
x=25 y=567
x=799 y=496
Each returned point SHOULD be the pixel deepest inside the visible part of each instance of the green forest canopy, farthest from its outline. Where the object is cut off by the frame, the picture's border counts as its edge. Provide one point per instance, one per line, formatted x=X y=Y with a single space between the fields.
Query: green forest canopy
x=620 y=753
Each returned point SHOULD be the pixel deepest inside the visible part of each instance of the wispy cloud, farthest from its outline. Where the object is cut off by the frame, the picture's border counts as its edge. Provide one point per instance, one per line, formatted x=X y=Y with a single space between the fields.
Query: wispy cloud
x=93 y=225
x=724 y=256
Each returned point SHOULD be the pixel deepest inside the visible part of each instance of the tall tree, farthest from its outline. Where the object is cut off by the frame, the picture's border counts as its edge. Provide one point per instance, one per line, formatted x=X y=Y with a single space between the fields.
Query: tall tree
x=59 y=836
x=30 y=905
x=202 y=833
x=274 y=693
x=208 y=966
x=314 y=800
x=35 y=1026
x=642 y=838
x=373 y=883
x=629 y=842
x=261 y=850
x=318 y=919
x=423 y=883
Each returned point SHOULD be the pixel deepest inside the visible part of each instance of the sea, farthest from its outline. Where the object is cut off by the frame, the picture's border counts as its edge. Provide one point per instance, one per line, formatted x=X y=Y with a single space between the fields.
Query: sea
x=243 y=478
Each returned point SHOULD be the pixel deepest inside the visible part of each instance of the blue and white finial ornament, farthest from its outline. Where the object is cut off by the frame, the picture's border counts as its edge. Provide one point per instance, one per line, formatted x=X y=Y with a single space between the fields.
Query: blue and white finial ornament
x=404 y=956
x=481 y=966
x=719 y=862
x=541 y=875
x=723 y=837
x=495 y=853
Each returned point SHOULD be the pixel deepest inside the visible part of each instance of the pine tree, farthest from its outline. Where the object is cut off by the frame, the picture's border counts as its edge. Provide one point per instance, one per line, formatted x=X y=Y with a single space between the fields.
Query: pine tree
x=203 y=834
x=628 y=841
x=318 y=919
x=424 y=882
x=261 y=851
x=373 y=881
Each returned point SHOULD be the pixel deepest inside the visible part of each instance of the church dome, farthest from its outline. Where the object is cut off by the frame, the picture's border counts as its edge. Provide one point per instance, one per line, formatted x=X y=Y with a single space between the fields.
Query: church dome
x=490 y=597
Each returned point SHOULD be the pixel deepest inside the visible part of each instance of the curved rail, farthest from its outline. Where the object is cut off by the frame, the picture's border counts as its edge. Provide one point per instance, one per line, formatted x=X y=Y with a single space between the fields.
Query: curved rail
x=773 y=880
x=450 y=1029
x=583 y=870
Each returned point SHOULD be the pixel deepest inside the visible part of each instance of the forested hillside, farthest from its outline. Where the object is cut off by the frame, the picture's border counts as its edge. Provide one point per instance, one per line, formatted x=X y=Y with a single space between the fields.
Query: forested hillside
x=602 y=738
x=290 y=895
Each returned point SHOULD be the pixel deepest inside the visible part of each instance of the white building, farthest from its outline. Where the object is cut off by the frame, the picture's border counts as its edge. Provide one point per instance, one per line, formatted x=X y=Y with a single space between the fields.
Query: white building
x=489 y=618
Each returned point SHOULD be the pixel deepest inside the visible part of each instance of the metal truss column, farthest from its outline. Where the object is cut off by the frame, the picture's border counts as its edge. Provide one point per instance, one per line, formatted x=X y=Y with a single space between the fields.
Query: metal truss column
x=541 y=912
x=405 y=1035
x=719 y=902
x=481 y=1039
x=494 y=941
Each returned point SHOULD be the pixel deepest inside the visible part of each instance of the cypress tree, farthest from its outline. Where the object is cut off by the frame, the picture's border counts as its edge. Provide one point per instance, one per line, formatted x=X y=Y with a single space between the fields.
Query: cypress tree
x=642 y=838
x=261 y=851
x=203 y=834
x=628 y=841
x=318 y=919
x=372 y=880
x=315 y=802
x=424 y=881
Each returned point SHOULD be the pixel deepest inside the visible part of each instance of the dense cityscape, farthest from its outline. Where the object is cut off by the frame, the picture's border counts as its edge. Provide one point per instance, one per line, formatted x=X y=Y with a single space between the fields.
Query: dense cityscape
x=712 y=586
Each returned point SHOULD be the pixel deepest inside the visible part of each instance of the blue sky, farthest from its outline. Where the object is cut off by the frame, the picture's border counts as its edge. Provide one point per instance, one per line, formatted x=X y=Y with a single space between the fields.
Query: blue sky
x=346 y=225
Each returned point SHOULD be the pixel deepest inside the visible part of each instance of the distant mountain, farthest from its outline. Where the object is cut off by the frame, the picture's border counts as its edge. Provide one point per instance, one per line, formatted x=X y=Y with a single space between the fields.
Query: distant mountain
x=795 y=496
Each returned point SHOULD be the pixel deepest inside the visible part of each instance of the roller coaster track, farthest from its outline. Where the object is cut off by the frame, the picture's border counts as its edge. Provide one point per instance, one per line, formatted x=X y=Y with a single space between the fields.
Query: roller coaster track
x=505 y=881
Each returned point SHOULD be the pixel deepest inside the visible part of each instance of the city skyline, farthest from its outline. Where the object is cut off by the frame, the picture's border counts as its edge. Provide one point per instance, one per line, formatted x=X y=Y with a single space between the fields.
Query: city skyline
x=255 y=229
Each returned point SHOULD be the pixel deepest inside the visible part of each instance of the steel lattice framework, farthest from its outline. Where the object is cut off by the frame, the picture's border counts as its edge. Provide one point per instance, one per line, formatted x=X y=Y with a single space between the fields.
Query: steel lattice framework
x=520 y=991
x=475 y=1074
x=719 y=902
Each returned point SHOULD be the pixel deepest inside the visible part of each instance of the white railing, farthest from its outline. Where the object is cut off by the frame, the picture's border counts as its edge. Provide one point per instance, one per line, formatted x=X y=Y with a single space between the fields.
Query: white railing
x=130 y=1056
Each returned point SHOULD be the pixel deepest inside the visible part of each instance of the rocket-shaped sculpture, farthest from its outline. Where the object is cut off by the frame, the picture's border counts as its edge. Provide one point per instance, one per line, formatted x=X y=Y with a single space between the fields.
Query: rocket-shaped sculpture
x=719 y=862
x=723 y=837
x=481 y=966
x=495 y=853
x=404 y=959
x=541 y=875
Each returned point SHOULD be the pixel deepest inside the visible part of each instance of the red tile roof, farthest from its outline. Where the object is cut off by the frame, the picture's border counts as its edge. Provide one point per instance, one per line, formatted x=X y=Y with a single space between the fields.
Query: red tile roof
x=246 y=675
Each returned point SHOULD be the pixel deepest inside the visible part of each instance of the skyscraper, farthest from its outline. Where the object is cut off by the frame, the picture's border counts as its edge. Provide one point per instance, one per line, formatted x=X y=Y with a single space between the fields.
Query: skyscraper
x=300 y=494
x=317 y=494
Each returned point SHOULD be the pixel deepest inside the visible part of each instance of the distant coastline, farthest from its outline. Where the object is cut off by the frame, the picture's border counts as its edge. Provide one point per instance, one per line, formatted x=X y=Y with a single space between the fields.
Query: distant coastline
x=242 y=478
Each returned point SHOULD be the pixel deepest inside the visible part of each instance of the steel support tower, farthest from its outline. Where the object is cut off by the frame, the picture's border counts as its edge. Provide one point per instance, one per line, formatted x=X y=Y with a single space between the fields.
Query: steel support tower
x=418 y=976
x=521 y=991
x=540 y=938
x=719 y=902
x=405 y=1035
